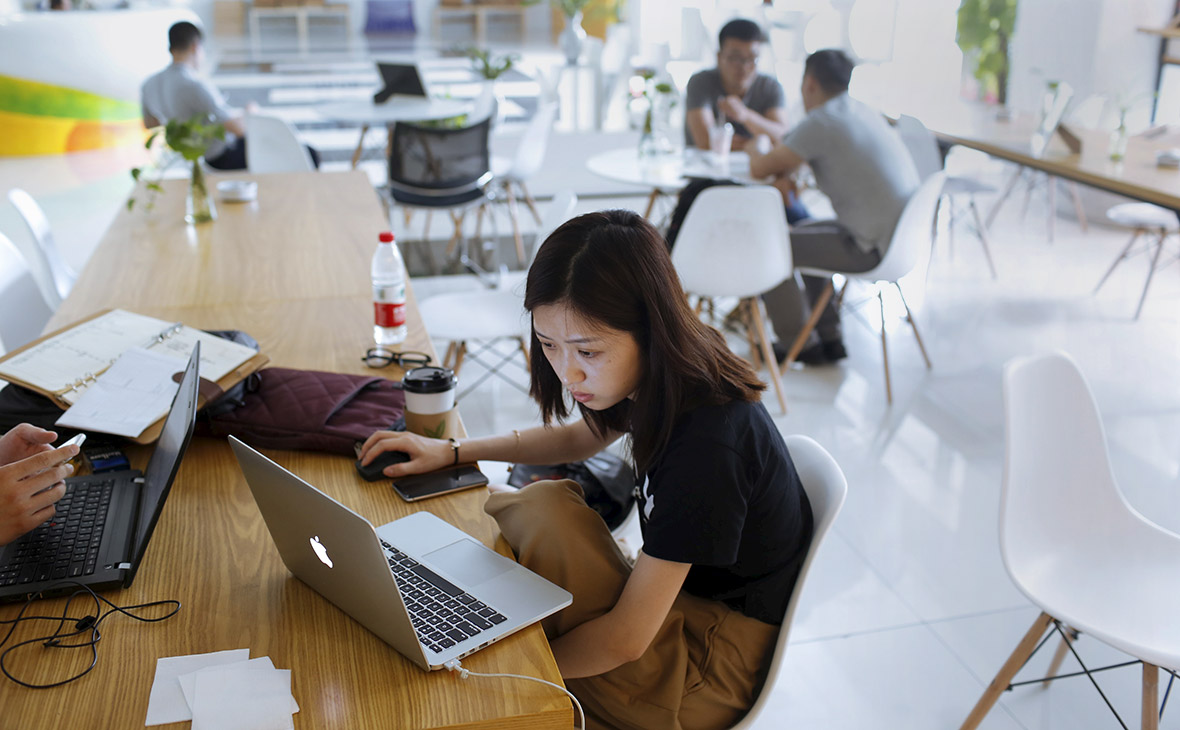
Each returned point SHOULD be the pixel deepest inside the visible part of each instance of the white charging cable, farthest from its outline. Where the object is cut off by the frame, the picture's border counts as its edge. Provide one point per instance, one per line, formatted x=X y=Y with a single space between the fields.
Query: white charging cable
x=464 y=673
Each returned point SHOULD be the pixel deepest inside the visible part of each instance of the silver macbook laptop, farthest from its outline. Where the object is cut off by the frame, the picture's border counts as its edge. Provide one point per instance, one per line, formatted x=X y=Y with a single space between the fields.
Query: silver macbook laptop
x=426 y=588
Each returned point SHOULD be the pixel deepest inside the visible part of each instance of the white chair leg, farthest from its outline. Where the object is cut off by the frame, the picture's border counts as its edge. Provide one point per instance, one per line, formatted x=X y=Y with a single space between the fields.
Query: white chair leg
x=913 y=325
x=1122 y=255
x=1159 y=248
x=981 y=231
x=884 y=347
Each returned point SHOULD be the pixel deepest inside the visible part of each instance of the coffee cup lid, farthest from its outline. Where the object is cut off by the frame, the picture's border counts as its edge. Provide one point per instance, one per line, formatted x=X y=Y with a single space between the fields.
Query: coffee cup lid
x=429 y=379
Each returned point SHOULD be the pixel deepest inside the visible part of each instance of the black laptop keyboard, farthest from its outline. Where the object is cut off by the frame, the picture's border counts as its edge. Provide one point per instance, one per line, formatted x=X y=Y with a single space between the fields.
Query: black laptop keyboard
x=67 y=545
x=442 y=613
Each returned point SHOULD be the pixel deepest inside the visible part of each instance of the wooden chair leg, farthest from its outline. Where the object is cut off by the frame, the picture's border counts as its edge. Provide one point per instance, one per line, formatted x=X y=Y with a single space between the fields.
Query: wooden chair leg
x=1122 y=255
x=913 y=325
x=752 y=338
x=513 y=215
x=450 y=353
x=1004 y=677
x=809 y=325
x=1052 y=208
x=524 y=350
x=767 y=352
x=1151 y=700
x=460 y=353
x=884 y=347
x=651 y=203
x=457 y=236
x=528 y=200
x=1159 y=247
x=1078 y=210
x=982 y=232
x=1059 y=656
x=991 y=216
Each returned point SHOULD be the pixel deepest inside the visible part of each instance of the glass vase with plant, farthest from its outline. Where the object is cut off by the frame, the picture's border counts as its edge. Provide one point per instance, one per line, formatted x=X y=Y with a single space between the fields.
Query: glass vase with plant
x=659 y=99
x=985 y=28
x=188 y=140
x=490 y=65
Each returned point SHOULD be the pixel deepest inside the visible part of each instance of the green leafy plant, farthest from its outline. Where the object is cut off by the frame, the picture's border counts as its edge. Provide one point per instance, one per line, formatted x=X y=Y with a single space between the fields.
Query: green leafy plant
x=489 y=65
x=188 y=140
x=985 y=28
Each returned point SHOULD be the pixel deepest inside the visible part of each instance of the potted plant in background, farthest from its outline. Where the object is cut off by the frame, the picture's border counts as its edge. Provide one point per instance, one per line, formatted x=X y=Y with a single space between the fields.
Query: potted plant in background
x=489 y=65
x=188 y=140
x=985 y=28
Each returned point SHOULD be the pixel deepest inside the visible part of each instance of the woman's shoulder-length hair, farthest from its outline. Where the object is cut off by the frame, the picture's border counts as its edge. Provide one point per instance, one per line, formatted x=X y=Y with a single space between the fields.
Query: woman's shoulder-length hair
x=612 y=268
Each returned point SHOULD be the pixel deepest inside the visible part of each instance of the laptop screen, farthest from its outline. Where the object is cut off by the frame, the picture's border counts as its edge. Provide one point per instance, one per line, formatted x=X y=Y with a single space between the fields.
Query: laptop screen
x=162 y=467
x=401 y=78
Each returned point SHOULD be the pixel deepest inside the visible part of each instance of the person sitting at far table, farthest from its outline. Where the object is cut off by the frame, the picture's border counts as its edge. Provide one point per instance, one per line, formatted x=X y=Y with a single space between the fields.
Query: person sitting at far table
x=861 y=164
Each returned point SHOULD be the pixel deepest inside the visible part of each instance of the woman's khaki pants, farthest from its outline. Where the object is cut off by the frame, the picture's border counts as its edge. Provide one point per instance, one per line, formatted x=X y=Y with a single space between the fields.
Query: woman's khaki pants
x=707 y=662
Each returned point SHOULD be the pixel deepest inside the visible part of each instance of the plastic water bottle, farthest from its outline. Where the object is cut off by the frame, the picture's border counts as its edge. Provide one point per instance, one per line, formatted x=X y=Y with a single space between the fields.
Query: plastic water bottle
x=389 y=293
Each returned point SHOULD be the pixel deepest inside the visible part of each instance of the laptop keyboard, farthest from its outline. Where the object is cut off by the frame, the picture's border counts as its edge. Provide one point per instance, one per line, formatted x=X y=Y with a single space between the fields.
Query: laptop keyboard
x=67 y=545
x=442 y=613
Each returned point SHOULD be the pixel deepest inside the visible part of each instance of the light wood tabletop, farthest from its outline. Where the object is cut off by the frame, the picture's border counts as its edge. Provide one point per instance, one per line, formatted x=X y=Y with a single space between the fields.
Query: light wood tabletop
x=1135 y=176
x=291 y=269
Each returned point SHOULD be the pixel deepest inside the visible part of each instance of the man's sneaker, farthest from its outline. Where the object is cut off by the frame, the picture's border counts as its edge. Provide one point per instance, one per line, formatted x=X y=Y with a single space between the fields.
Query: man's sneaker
x=834 y=350
x=821 y=353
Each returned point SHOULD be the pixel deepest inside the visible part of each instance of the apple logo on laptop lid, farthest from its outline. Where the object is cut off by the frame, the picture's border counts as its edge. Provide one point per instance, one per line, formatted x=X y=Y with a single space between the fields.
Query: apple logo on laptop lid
x=320 y=551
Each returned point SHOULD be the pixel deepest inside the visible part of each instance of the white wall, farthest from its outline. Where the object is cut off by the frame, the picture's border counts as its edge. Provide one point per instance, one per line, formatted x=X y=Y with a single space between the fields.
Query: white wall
x=1091 y=44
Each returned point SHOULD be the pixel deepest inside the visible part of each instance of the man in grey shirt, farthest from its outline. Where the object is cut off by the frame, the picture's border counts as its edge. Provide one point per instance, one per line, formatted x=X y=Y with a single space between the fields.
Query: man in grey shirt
x=180 y=92
x=751 y=101
x=861 y=164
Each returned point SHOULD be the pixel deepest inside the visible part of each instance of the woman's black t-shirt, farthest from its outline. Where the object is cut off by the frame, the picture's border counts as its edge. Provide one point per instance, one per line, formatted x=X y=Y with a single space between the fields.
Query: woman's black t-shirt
x=725 y=497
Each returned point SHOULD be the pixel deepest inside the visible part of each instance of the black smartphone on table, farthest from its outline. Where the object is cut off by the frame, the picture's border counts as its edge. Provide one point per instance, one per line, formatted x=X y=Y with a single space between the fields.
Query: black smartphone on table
x=438 y=483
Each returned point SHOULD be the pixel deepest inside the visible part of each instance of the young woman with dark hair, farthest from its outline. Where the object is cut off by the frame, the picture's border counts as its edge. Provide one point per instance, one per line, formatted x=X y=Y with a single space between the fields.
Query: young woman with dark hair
x=683 y=638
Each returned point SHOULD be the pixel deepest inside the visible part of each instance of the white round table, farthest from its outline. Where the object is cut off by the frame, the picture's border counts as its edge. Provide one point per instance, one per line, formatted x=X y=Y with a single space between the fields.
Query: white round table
x=396 y=109
x=666 y=174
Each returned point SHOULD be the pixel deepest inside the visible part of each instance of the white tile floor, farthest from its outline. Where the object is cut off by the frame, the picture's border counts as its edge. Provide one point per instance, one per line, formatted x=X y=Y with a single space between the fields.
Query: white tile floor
x=909 y=612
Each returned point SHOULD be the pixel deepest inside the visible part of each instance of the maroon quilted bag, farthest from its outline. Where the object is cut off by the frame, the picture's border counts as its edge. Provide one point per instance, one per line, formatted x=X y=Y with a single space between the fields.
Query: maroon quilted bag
x=310 y=410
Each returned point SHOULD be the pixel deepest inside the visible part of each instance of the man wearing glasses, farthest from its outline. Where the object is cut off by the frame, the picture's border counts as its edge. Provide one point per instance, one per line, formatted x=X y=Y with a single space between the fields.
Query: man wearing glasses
x=735 y=92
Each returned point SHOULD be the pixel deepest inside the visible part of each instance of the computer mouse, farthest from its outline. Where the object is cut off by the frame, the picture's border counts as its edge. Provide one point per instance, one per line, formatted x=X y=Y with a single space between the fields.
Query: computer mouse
x=373 y=471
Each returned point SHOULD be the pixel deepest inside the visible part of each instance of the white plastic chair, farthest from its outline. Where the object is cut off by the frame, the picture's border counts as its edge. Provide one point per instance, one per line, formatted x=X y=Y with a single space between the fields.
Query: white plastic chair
x=908 y=246
x=1143 y=218
x=485 y=316
x=826 y=489
x=23 y=311
x=271 y=146
x=734 y=242
x=513 y=174
x=53 y=275
x=928 y=159
x=1070 y=541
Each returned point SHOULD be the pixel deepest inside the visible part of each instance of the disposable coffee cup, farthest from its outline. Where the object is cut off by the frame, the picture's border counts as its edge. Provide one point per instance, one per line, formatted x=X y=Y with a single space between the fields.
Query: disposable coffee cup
x=430 y=402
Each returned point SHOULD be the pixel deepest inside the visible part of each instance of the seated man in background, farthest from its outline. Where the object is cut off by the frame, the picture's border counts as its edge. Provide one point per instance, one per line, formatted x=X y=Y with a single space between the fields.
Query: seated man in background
x=180 y=92
x=735 y=92
x=861 y=164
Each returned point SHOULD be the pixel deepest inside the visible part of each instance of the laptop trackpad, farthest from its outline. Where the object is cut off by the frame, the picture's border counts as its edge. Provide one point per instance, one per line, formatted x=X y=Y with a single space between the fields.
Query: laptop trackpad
x=468 y=562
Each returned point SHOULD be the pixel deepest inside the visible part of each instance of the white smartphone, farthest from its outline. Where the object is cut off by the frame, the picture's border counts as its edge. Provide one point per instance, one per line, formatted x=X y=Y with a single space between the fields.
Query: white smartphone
x=75 y=441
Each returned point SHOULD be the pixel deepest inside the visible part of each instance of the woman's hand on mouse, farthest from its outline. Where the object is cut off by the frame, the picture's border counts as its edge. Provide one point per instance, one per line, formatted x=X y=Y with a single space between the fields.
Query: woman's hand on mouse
x=426 y=454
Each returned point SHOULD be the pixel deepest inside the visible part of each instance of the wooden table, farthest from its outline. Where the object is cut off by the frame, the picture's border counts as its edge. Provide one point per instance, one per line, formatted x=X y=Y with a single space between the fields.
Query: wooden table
x=667 y=174
x=1135 y=176
x=292 y=270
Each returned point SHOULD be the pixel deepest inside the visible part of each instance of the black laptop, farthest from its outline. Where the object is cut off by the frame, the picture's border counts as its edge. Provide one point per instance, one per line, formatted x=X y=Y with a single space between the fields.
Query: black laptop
x=102 y=525
x=403 y=79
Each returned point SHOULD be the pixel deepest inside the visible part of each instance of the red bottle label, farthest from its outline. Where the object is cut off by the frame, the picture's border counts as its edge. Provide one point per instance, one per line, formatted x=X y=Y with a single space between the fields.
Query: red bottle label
x=389 y=315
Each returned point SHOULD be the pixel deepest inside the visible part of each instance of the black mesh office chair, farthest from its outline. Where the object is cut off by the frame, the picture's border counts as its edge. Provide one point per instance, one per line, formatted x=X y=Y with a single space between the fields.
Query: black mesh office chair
x=441 y=169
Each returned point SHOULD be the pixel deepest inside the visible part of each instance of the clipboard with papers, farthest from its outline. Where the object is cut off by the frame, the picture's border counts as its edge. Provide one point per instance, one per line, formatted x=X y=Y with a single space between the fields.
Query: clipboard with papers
x=64 y=364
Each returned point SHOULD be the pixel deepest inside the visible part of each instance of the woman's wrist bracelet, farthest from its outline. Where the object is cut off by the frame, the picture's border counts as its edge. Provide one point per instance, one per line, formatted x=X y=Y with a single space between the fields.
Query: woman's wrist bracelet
x=455 y=449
